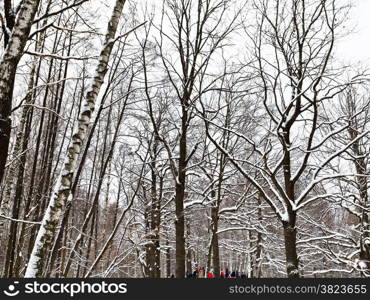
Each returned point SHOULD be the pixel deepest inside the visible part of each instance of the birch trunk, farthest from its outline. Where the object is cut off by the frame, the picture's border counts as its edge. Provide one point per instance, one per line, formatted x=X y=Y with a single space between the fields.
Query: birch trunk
x=8 y=66
x=63 y=187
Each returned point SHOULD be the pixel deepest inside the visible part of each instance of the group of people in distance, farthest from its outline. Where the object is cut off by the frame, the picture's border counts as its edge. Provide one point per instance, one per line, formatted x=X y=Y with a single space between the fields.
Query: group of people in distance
x=200 y=273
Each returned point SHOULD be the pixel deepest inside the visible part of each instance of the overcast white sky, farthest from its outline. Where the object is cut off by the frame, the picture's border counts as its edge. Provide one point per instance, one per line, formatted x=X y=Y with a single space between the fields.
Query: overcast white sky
x=356 y=47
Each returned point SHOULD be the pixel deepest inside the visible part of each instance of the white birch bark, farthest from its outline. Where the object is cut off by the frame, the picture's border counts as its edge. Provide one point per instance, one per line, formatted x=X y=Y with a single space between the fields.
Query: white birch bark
x=8 y=66
x=62 y=189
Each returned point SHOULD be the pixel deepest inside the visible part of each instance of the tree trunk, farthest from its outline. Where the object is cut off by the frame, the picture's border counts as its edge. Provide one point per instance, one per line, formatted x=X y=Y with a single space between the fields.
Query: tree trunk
x=258 y=254
x=8 y=66
x=215 y=246
x=63 y=187
x=179 y=200
x=290 y=240
x=188 y=252
x=155 y=215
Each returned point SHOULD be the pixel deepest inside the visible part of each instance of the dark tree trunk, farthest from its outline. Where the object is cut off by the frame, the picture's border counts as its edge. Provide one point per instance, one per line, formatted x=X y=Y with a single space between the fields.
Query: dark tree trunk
x=289 y=224
x=215 y=246
x=179 y=199
x=290 y=240
x=188 y=252
x=155 y=216
x=180 y=230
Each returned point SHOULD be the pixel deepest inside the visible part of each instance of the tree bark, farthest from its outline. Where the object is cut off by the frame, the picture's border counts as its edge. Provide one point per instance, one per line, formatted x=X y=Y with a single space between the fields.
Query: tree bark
x=215 y=245
x=8 y=66
x=179 y=203
x=63 y=187
x=290 y=240
x=155 y=214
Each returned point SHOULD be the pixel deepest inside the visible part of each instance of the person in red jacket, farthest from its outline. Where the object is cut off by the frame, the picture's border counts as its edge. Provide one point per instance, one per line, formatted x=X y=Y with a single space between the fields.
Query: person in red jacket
x=210 y=274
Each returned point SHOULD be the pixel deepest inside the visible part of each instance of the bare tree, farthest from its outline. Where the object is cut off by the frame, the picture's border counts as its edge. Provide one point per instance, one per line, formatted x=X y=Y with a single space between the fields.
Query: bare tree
x=297 y=82
x=192 y=40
